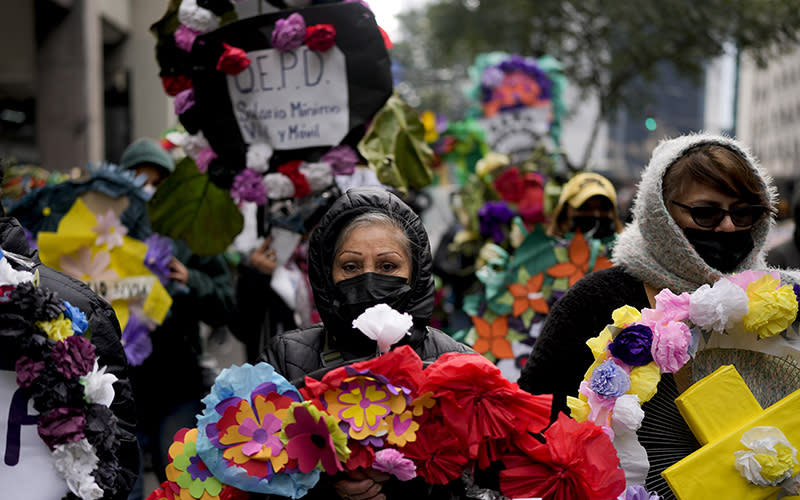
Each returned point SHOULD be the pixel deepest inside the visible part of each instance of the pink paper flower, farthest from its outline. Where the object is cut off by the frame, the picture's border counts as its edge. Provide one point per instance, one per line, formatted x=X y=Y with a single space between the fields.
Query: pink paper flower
x=746 y=277
x=671 y=343
x=84 y=267
x=289 y=33
x=204 y=159
x=395 y=463
x=310 y=441
x=183 y=101
x=669 y=307
x=342 y=159
x=184 y=37
x=110 y=230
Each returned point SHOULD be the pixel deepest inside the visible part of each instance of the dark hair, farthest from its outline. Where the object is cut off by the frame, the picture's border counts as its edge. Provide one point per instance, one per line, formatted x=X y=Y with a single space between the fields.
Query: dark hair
x=717 y=167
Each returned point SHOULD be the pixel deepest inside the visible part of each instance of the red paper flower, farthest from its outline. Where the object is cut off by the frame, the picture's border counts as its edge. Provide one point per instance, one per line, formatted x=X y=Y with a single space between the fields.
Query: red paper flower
x=233 y=60
x=578 y=461
x=320 y=37
x=310 y=442
x=439 y=455
x=479 y=404
x=360 y=456
x=509 y=185
x=164 y=492
x=387 y=42
x=292 y=171
x=173 y=85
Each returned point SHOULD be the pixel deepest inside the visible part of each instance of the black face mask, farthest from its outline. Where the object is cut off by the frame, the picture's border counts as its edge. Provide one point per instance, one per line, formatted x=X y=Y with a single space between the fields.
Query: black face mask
x=594 y=227
x=719 y=249
x=357 y=294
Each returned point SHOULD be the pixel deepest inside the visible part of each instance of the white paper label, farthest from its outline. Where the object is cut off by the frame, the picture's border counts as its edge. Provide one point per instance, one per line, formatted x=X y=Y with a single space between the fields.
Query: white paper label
x=291 y=100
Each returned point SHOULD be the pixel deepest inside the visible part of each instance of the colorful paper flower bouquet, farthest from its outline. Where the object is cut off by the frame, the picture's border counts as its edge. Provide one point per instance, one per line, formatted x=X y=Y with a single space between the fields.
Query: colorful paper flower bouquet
x=258 y=433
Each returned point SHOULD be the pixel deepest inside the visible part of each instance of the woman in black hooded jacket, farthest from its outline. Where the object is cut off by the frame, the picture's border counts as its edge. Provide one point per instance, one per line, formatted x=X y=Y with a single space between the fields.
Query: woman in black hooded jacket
x=344 y=287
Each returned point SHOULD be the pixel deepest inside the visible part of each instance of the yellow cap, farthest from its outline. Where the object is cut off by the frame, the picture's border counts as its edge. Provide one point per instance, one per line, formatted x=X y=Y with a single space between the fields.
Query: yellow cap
x=585 y=185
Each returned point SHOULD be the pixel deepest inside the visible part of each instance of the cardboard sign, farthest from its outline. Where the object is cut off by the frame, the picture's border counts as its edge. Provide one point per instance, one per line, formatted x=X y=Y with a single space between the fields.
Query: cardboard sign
x=519 y=132
x=292 y=100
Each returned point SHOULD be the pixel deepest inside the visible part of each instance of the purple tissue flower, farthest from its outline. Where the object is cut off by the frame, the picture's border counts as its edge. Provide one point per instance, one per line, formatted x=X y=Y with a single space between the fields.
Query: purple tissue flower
x=493 y=217
x=61 y=426
x=492 y=77
x=184 y=37
x=289 y=33
x=136 y=340
x=74 y=356
x=248 y=186
x=204 y=159
x=610 y=380
x=159 y=253
x=342 y=159
x=638 y=492
x=28 y=370
x=633 y=345
x=183 y=101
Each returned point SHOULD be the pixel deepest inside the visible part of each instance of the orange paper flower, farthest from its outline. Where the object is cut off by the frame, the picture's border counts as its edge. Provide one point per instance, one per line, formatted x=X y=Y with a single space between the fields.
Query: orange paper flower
x=492 y=338
x=578 y=264
x=529 y=295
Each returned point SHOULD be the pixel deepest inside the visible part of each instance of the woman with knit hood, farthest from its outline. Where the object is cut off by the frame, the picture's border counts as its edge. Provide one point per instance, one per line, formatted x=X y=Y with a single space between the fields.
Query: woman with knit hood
x=369 y=248
x=703 y=210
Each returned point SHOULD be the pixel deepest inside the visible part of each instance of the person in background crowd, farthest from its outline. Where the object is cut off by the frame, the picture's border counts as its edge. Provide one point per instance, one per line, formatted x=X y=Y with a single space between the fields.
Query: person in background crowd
x=369 y=248
x=787 y=254
x=588 y=202
x=106 y=337
x=207 y=296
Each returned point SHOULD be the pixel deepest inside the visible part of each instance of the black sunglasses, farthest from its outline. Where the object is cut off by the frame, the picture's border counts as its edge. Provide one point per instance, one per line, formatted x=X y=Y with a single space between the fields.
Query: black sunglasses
x=708 y=217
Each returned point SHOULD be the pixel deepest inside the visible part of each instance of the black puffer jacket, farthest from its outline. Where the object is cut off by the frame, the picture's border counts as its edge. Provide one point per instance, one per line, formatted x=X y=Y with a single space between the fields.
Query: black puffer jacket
x=105 y=337
x=315 y=349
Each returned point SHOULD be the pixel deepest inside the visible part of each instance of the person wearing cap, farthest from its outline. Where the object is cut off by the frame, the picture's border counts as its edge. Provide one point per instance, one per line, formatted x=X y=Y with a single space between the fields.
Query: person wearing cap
x=588 y=203
x=147 y=157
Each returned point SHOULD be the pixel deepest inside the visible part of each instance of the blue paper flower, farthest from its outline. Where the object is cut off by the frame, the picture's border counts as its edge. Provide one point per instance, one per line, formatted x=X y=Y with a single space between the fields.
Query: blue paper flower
x=76 y=316
x=610 y=380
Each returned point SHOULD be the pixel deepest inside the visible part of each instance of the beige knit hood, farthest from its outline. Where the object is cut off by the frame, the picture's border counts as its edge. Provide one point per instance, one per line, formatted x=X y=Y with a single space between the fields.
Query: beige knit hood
x=653 y=247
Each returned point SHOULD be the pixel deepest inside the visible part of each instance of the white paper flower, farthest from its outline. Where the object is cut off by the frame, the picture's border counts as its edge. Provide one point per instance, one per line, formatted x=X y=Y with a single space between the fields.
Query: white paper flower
x=193 y=145
x=767 y=445
x=9 y=275
x=627 y=414
x=98 y=384
x=632 y=457
x=84 y=267
x=75 y=463
x=278 y=186
x=718 y=307
x=318 y=175
x=384 y=325
x=258 y=156
x=110 y=230
x=196 y=17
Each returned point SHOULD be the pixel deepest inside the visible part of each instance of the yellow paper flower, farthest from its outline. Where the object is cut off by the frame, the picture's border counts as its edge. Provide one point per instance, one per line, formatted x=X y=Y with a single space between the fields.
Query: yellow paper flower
x=57 y=329
x=491 y=162
x=771 y=308
x=598 y=346
x=625 y=315
x=644 y=380
x=579 y=409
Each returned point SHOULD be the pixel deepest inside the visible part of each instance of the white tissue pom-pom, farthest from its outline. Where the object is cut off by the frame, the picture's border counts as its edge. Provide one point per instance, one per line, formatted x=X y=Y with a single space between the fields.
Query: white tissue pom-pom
x=718 y=307
x=384 y=325
x=258 y=156
x=761 y=441
x=278 y=186
x=193 y=145
x=99 y=385
x=196 y=17
x=627 y=414
x=318 y=175
x=75 y=463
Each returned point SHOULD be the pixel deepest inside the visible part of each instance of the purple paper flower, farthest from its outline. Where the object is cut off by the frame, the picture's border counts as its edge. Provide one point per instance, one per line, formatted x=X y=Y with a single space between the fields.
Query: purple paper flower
x=204 y=159
x=248 y=185
x=28 y=370
x=136 y=340
x=184 y=37
x=289 y=33
x=632 y=345
x=342 y=159
x=31 y=238
x=395 y=463
x=61 y=425
x=73 y=357
x=76 y=317
x=530 y=68
x=610 y=380
x=183 y=101
x=158 y=256
x=492 y=77
x=494 y=217
x=638 y=492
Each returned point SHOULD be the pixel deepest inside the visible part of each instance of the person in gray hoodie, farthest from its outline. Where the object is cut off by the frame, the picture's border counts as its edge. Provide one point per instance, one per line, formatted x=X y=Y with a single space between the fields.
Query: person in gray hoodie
x=703 y=209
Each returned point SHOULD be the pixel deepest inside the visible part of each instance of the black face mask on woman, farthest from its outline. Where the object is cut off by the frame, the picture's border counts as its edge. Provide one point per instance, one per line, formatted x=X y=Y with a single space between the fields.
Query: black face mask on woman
x=721 y=250
x=357 y=294
x=594 y=227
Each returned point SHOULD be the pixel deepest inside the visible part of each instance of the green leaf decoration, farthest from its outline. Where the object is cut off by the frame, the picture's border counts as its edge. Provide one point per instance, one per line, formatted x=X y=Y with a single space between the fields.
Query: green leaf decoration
x=189 y=207
x=515 y=336
x=523 y=276
x=560 y=284
x=527 y=317
x=491 y=357
x=395 y=147
x=501 y=305
x=472 y=304
x=561 y=253
x=535 y=253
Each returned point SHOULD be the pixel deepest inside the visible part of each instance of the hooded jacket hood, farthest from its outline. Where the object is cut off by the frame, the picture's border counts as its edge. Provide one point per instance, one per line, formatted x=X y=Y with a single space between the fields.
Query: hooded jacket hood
x=653 y=247
x=418 y=302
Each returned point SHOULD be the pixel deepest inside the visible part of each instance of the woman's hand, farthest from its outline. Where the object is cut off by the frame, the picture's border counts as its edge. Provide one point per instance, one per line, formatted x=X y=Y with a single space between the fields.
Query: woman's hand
x=178 y=272
x=263 y=258
x=363 y=484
